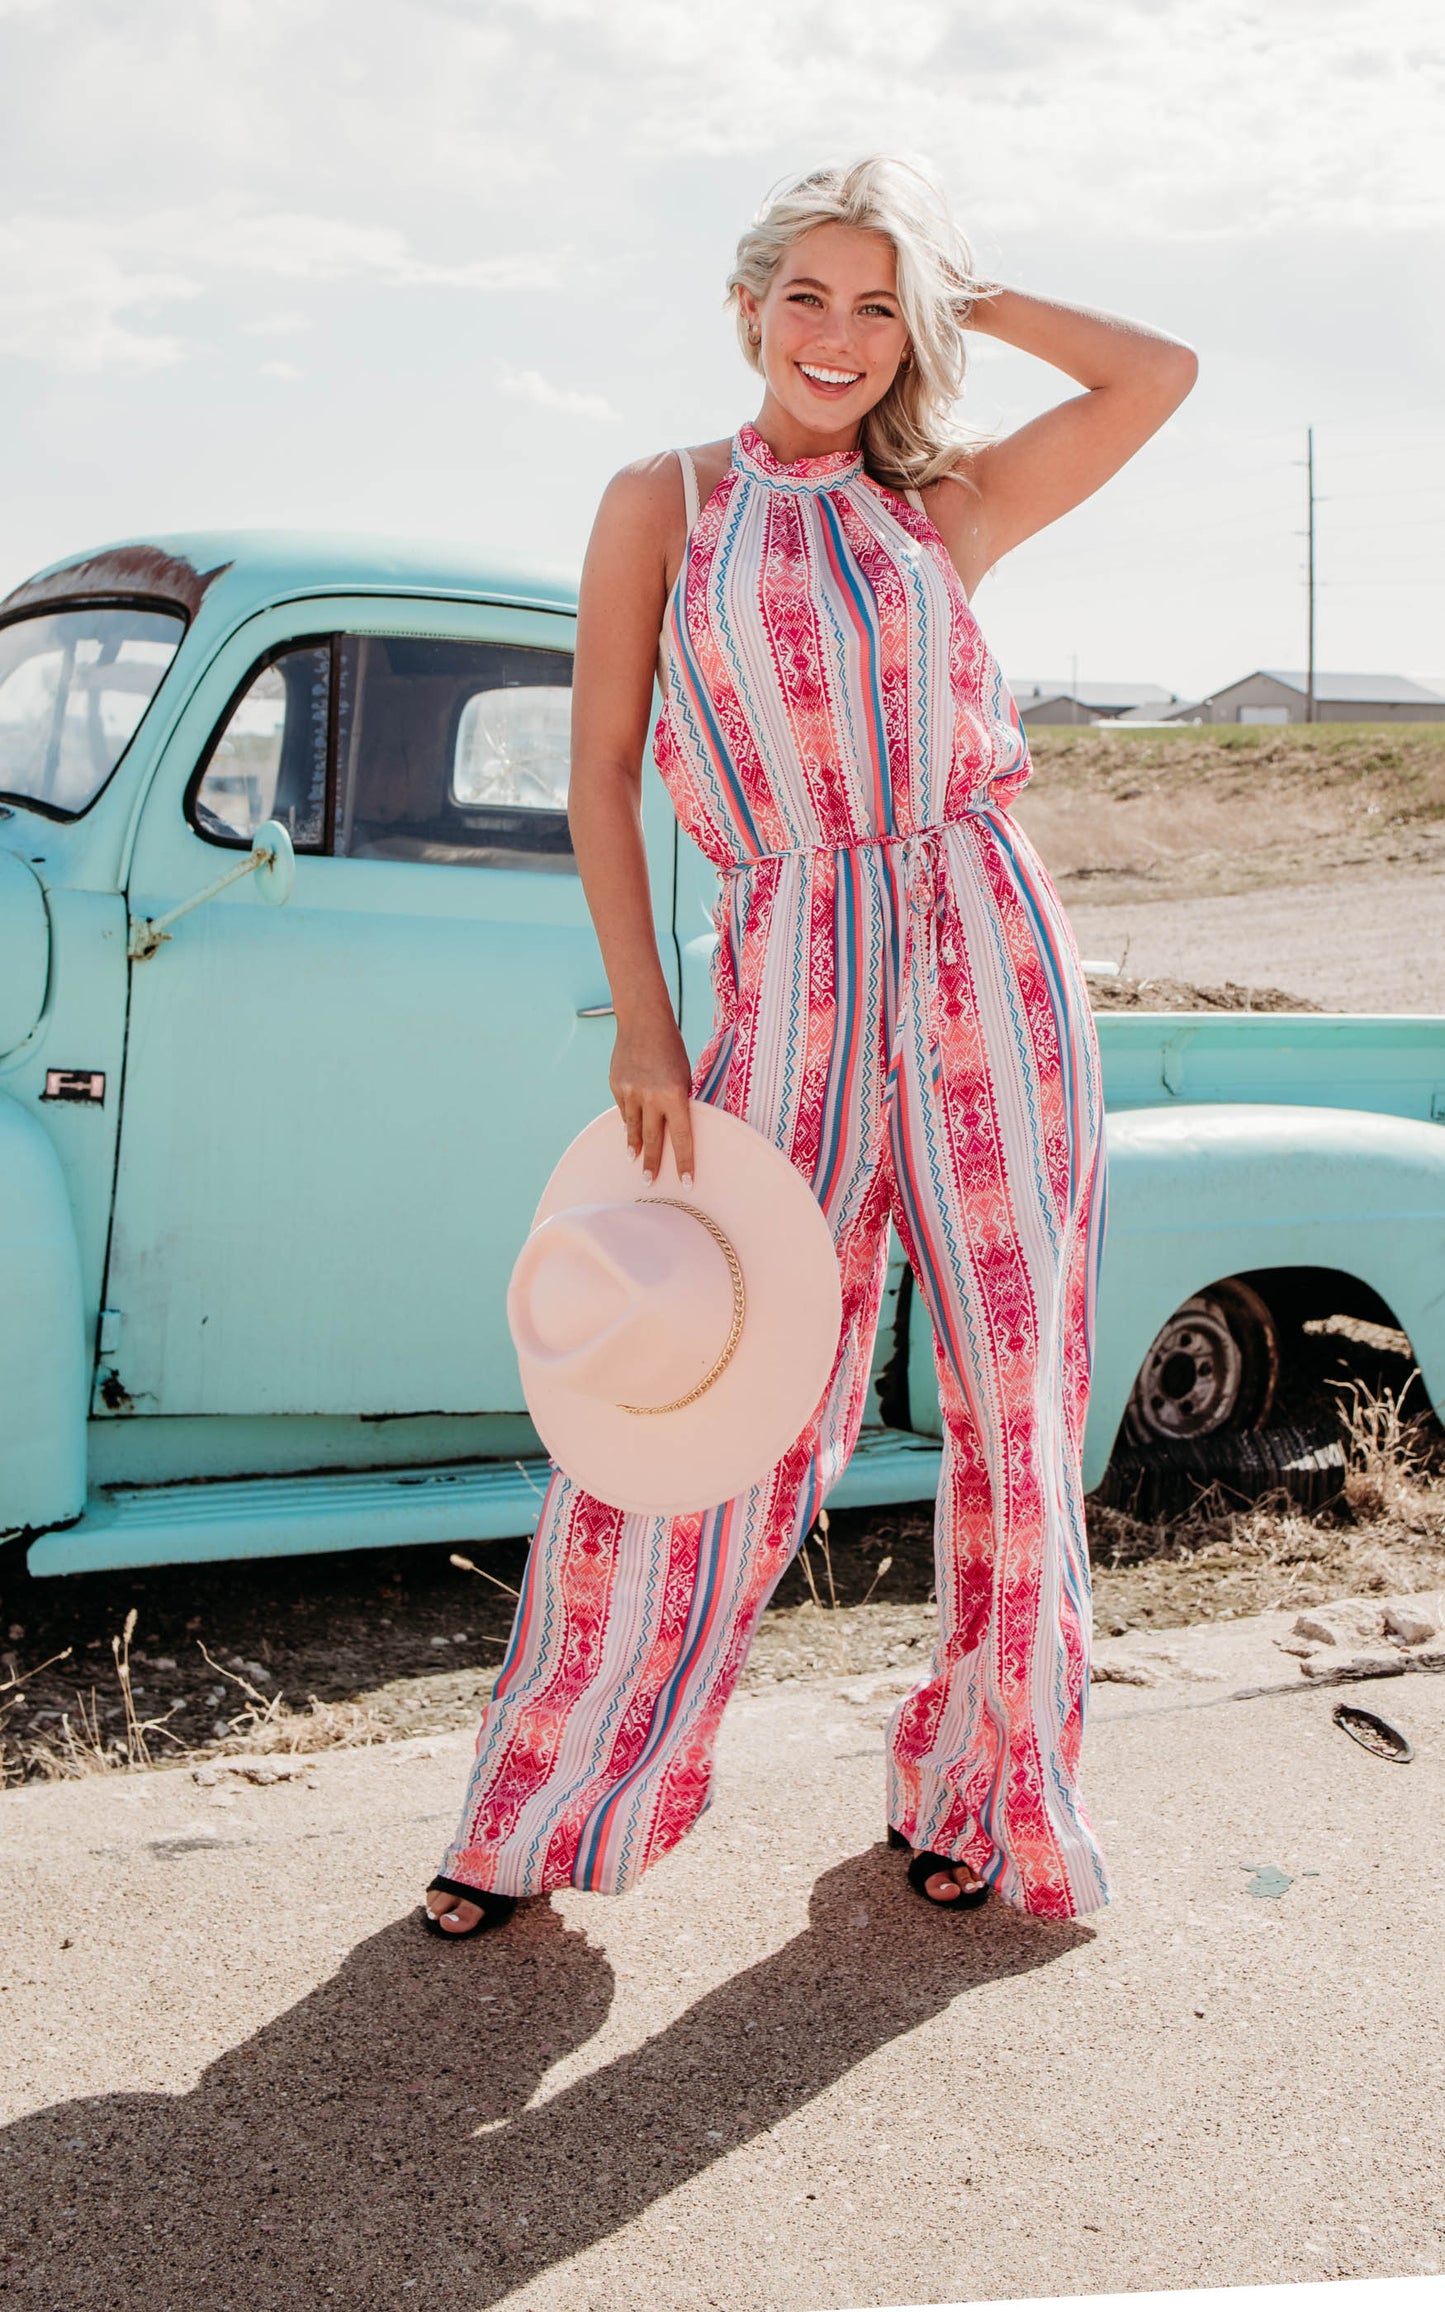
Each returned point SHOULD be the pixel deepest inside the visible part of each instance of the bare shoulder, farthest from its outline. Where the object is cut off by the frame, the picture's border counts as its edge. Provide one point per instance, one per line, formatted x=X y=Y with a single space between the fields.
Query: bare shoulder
x=646 y=498
x=640 y=497
x=711 y=461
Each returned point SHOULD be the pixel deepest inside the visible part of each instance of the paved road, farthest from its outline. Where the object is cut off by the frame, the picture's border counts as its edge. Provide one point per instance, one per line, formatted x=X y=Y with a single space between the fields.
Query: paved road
x=238 y=2076
x=1373 y=944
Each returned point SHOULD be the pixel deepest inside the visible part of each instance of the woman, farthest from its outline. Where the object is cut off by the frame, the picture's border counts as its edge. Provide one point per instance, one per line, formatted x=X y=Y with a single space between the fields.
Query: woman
x=900 y=1008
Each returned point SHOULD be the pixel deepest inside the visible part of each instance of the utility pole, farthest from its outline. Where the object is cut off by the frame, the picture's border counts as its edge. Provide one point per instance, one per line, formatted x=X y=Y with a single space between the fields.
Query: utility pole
x=1310 y=656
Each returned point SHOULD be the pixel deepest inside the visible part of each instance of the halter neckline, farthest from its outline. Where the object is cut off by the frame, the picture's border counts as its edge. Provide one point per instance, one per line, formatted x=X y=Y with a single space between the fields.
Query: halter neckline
x=834 y=470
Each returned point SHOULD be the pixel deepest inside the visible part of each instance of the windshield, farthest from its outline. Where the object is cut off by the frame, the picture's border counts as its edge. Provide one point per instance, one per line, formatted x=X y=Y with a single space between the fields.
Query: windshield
x=74 y=685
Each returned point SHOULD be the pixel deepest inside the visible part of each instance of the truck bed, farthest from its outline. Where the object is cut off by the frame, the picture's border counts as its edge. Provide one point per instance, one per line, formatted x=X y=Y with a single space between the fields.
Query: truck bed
x=1393 y=1065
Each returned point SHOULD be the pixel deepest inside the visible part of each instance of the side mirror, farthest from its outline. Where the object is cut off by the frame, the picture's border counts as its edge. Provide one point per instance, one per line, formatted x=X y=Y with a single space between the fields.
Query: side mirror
x=275 y=858
x=271 y=860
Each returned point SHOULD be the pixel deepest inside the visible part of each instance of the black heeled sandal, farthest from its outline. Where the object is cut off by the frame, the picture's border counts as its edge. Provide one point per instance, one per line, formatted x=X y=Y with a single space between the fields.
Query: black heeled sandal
x=926 y=1866
x=495 y=1910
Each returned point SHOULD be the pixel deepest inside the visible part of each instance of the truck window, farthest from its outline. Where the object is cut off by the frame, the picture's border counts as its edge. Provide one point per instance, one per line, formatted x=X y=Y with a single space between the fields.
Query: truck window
x=398 y=747
x=454 y=753
x=74 y=687
x=269 y=759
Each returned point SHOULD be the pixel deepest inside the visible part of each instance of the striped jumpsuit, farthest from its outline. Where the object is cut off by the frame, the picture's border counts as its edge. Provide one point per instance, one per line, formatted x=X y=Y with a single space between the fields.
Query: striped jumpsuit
x=900 y=1008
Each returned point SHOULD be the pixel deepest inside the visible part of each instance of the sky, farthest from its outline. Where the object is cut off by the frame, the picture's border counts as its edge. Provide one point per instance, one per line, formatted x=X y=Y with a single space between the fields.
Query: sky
x=437 y=268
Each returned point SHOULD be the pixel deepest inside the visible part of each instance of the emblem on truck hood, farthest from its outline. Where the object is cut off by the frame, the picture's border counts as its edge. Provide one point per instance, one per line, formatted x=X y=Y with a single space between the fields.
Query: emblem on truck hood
x=74 y=1084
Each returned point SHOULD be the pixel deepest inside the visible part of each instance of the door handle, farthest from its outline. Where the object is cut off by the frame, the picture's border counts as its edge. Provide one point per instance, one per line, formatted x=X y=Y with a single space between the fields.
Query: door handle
x=595 y=1011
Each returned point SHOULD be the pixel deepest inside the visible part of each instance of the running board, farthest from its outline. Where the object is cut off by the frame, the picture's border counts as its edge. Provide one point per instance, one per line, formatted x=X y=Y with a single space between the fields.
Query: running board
x=203 y=1524
x=888 y=1466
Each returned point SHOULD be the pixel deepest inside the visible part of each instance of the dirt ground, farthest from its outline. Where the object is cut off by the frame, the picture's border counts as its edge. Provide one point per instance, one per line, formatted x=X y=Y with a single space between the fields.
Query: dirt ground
x=1202 y=814
x=1250 y=869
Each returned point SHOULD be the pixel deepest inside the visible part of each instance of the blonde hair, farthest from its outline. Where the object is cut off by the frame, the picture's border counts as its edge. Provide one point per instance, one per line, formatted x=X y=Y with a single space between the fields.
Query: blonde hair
x=907 y=436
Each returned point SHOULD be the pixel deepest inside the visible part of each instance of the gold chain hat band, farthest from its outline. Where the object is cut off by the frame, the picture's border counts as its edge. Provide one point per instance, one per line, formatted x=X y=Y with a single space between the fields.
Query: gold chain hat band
x=735 y=1331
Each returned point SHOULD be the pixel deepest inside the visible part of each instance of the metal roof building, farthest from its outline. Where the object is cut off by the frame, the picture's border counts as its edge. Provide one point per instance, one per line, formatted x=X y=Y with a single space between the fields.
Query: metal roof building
x=1046 y=700
x=1270 y=695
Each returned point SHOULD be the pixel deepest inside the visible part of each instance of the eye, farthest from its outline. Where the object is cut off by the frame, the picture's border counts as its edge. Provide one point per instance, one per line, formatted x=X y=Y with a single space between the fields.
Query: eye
x=803 y=297
x=884 y=312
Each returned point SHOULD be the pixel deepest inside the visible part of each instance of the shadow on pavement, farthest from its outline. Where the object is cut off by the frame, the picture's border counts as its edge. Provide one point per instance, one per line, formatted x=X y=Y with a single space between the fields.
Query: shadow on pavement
x=378 y=2132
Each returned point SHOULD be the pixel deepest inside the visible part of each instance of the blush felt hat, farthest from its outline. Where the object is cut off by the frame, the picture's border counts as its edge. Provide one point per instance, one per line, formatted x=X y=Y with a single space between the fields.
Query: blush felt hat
x=674 y=1341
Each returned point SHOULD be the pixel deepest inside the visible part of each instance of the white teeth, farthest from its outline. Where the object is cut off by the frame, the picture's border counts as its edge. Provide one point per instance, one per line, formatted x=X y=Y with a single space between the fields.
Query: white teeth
x=831 y=376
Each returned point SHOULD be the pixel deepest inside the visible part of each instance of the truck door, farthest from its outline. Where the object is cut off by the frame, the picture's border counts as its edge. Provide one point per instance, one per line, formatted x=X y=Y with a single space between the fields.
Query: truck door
x=339 y=1113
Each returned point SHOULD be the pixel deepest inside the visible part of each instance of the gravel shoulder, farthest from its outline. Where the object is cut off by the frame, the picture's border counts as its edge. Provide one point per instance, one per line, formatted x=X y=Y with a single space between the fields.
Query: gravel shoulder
x=239 y=2075
x=1308 y=860
x=1377 y=945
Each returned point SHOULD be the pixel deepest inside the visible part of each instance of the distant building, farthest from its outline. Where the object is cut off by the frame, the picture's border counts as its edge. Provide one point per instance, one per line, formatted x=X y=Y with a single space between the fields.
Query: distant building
x=1268 y=696
x=1043 y=701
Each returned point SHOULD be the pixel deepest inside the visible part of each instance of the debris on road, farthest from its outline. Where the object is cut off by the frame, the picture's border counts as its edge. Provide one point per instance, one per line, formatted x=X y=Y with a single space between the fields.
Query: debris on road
x=1268 y=1880
x=257 y=1770
x=1408 y=1624
x=1360 y=1666
x=1374 y=1734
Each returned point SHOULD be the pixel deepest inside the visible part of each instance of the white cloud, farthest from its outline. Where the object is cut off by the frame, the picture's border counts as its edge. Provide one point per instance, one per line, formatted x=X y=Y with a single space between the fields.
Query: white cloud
x=564 y=400
x=1158 y=120
x=67 y=299
x=286 y=371
x=278 y=324
x=75 y=291
x=297 y=247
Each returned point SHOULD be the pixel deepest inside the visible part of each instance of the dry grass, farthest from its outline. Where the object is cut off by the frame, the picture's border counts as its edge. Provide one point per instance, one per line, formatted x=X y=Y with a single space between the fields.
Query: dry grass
x=80 y=1745
x=1389 y=1461
x=1384 y=1536
x=265 y=1725
x=1220 y=1562
x=1137 y=814
x=1116 y=991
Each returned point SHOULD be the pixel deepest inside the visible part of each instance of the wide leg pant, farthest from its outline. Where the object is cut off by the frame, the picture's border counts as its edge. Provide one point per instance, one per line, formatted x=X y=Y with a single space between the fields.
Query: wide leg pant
x=907 y=1020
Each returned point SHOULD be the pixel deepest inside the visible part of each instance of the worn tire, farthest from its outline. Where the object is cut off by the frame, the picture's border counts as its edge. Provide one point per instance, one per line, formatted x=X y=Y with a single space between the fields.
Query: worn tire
x=1166 y=1477
x=1212 y=1369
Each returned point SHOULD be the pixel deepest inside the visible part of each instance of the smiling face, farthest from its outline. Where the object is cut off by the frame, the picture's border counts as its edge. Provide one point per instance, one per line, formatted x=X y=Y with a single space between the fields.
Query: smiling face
x=833 y=335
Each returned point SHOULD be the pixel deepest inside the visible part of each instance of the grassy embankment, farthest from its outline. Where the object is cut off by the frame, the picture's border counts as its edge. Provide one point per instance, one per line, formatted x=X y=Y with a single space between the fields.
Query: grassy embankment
x=1191 y=813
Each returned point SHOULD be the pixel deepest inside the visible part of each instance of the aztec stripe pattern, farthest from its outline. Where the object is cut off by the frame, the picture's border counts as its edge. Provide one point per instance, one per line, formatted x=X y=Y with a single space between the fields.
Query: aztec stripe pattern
x=900 y=1008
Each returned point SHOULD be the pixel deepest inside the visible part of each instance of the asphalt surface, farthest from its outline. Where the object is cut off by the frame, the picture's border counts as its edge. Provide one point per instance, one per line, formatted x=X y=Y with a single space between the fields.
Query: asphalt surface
x=238 y=2075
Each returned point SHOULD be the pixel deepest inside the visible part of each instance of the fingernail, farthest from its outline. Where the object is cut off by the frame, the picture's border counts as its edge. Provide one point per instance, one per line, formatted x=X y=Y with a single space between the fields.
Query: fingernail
x=647 y=1176
x=687 y=1180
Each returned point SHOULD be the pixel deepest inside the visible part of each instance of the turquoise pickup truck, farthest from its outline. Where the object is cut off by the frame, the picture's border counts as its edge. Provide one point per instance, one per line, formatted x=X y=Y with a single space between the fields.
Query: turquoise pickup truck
x=299 y=1000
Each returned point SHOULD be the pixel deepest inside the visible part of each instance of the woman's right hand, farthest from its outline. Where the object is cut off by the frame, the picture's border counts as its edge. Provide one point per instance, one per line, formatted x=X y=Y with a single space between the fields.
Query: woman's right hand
x=651 y=1082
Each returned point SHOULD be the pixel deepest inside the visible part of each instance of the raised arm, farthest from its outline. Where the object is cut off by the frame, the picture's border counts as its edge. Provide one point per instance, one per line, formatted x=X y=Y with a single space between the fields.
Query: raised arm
x=1135 y=379
x=624 y=588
